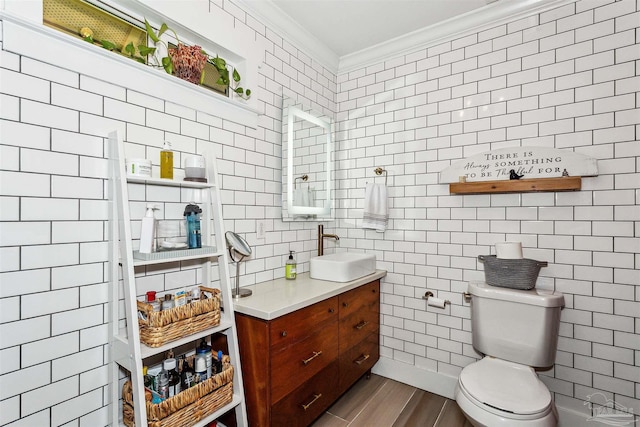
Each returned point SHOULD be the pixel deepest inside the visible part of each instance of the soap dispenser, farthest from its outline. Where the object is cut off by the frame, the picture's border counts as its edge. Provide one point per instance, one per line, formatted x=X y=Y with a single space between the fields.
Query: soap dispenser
x=148 y=231
x=290 y=268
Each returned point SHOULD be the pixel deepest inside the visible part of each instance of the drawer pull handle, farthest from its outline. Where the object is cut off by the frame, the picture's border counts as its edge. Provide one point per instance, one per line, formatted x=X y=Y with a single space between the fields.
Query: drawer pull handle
x=345 y=304
x=315 y=397
x=283 y=333
x=307 y=361
x=331 y=310
x=362 y=359
x=361 y=325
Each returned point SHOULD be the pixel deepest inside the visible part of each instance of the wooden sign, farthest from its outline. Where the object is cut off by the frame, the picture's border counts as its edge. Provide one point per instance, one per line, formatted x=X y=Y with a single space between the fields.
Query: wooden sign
x=526 y=162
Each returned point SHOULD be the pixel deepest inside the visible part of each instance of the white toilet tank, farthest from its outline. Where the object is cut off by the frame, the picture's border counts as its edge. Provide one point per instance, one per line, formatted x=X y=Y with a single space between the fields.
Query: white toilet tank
x=516 y=325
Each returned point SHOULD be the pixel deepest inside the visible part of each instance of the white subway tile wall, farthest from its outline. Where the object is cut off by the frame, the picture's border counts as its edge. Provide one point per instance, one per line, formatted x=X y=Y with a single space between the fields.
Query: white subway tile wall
x=565 y=78
x=54 y=231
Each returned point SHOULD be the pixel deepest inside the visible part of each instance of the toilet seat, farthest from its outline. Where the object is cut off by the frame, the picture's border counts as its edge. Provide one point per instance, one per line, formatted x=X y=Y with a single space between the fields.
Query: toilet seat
x=505 y=388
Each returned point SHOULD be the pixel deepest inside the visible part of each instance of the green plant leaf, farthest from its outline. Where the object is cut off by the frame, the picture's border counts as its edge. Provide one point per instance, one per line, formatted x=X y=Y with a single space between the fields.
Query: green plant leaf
x=167 y=65
x=224 y=77
x=219 y=63
x=248 y=92
x=236 y=76
x=146 y=50
x=150 y=31
x=108 y=45
x=239 y=90
x=163 y=28
x=220 y=81
x=140 y=59
x=88 y=39
x=130 y=49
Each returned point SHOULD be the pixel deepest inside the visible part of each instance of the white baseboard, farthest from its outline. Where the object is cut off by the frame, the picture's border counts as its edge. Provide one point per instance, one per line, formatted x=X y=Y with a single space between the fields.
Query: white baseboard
x=430 y=381
x=444 y=385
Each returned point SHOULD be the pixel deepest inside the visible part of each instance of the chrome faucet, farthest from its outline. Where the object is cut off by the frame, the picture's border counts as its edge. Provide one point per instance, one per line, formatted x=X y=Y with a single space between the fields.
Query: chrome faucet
x=321 y=236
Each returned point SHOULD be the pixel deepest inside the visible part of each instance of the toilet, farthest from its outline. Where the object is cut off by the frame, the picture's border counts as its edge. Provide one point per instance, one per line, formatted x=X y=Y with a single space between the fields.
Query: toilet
x=516 y=331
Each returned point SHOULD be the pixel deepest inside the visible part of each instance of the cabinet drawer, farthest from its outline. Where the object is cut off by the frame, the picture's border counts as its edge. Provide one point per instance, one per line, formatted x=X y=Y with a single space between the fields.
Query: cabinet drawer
x=365 y=297
x=297 y=363
x=356 y=327
x=307 y=402
x=295 y=326
x=358 y=360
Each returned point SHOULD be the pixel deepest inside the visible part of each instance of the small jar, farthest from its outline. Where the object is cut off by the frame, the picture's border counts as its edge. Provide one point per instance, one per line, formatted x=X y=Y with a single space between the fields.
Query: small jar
x=153 y=302
x=168 y=302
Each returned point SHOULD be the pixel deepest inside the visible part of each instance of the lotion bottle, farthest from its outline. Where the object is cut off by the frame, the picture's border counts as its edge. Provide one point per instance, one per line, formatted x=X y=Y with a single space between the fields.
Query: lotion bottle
x=166 y=161
x=148 y=231
x=290 y=268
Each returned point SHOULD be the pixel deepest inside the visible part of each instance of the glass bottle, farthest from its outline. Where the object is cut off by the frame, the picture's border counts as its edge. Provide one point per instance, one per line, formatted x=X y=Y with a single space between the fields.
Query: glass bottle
x=163 y=383
x=169 y=365
x=166 y=161
x=168 y=302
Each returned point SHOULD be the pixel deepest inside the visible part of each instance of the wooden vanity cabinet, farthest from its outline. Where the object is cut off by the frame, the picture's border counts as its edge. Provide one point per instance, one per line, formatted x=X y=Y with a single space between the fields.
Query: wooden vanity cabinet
x=297 y=365
x=359 y=332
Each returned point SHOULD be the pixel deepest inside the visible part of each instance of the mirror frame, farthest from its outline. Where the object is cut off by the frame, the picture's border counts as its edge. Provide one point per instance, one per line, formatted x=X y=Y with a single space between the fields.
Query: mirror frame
x=238 y=244
x=307 y=210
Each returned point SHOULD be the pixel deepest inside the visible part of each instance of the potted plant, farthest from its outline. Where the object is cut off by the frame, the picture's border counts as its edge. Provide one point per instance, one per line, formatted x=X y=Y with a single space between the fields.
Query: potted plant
x=187 y=62
x=129 y=50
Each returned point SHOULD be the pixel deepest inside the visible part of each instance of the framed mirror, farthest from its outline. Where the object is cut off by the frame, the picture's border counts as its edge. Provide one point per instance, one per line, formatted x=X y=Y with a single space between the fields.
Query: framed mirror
x=307 y=163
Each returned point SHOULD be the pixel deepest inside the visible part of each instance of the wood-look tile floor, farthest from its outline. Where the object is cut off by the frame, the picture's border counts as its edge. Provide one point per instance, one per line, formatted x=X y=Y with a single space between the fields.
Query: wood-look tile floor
x=382 y=402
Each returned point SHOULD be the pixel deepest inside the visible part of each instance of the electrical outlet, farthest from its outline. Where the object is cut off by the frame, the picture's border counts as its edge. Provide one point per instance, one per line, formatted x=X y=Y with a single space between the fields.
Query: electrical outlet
x=261 y=226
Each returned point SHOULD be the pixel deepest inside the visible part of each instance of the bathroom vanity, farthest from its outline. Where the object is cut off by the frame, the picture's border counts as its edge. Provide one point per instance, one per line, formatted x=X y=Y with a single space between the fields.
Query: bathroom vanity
x=305 y=342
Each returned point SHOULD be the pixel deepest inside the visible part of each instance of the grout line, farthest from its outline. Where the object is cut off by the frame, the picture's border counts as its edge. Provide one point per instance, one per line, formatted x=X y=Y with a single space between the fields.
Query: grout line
x=441 y=413
x=405 y=404
x=364 y=407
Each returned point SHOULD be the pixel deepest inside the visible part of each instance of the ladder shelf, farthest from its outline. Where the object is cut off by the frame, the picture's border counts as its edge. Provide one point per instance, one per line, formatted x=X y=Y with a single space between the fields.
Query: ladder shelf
x=127 y=266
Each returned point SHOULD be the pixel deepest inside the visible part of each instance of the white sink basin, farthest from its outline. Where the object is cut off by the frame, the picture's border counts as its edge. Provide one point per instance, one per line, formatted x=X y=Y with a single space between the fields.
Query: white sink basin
x=342 y=267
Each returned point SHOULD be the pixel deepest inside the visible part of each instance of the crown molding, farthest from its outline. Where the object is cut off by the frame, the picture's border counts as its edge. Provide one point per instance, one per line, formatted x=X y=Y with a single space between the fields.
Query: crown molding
x=276 y=19
x=493 y=14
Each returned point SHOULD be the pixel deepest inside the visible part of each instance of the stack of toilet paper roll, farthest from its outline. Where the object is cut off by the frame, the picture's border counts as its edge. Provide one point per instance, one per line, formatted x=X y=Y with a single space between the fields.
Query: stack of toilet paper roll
x=509 y=250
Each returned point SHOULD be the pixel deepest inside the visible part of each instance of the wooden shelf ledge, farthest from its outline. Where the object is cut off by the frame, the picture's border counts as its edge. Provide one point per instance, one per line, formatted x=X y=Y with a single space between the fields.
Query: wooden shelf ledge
x=566 y=183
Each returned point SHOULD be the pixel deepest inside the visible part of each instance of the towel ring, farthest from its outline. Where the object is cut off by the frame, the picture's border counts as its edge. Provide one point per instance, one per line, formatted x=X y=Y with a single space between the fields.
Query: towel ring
x=380 y=171
x=304 y=177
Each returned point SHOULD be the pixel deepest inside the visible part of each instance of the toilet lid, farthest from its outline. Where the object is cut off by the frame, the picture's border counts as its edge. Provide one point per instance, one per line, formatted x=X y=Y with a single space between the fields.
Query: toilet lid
x=506 y=386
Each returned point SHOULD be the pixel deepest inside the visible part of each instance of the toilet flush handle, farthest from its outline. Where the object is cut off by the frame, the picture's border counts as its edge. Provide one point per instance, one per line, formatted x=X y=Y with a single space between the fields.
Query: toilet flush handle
x=466 y=296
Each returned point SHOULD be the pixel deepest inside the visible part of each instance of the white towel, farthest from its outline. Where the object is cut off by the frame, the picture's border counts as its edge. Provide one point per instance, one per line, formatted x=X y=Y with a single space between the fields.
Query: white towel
x=303 y=197
x=376 y=214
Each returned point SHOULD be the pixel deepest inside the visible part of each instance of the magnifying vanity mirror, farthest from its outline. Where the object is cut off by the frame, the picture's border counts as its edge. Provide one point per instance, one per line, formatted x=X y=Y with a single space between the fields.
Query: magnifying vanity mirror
x=307 y=163
x=242 y=249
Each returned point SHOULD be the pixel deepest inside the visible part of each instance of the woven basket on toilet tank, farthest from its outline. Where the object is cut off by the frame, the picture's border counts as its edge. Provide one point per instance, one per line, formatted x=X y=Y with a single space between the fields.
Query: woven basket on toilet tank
x=511 y=273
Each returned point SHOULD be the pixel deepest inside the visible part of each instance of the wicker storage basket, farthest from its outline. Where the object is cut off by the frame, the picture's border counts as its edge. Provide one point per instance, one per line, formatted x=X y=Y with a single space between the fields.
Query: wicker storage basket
x=160 y=327
x=511 y=273
x=188 y=406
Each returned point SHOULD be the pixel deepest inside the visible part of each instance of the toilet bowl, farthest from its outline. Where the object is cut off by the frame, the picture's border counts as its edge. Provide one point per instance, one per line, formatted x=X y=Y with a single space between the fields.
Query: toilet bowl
x=495 y=393
x=516 y=330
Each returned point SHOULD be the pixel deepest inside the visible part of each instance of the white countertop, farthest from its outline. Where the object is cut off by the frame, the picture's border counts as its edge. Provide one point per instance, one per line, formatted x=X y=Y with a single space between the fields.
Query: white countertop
x=279 y=297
